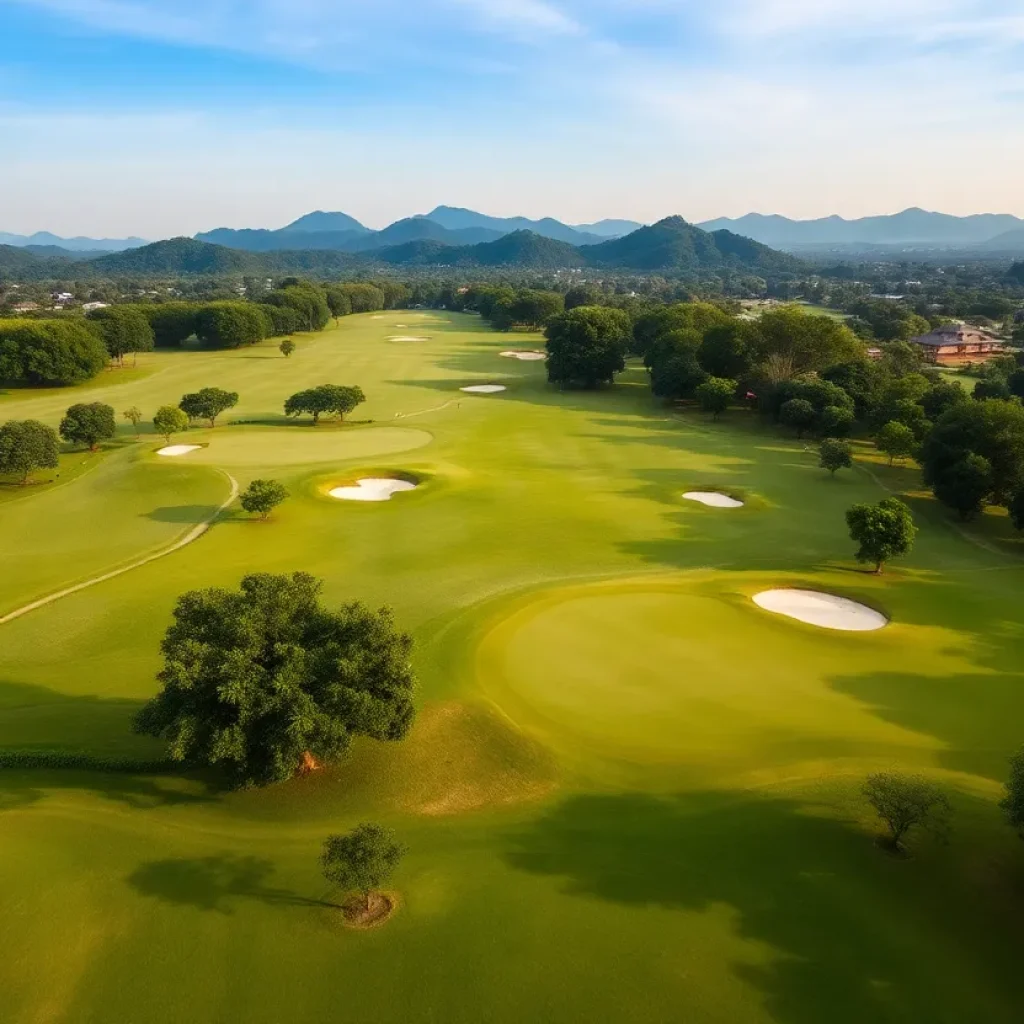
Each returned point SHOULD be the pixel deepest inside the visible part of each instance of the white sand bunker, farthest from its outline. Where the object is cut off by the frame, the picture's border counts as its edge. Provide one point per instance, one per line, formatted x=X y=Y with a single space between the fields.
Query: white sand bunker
x=819 y=609
x=713 y=498
x=179 y=449
x=406 y=337
x=484 y=389
x=372 y=488
x=528 y=356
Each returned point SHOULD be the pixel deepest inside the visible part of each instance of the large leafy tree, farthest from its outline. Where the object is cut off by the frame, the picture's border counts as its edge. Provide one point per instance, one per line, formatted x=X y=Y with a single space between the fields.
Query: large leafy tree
x=172 y=322
x=230 y=324
x=327 y=398
x=265 y=680
x=799 y=414
x=992 y=429
x=897 y=440
x=208 y=404
x=803 y=342
x=587 y=346
x=964 y=485
x=169 y=420
x=88 y=423
x=363 y=859
x=49 y=353
x=262 y=497
x=715 y=395
x=308 y=300
x=27 y=445
x=123 y=329
x=883 y=531
x=725 y=350
x=835 y=455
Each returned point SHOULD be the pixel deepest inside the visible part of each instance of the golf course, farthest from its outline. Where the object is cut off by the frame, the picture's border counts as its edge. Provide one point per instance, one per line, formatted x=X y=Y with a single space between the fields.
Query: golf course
x=630 y=793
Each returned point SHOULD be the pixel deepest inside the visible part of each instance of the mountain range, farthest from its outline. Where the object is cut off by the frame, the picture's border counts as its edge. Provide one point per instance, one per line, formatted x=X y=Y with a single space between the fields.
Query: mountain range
x=672 y=246
x=913 y=228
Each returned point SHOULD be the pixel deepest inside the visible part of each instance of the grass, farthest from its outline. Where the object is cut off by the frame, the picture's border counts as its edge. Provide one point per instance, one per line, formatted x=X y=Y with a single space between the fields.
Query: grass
x=629 y=795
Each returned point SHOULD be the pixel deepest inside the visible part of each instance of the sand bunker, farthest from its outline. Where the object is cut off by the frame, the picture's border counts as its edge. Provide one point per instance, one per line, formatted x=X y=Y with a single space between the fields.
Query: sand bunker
x=529 y=356
x=372 y=489
x=713 y=498
x=179 y=449
x=406 y=337
x=484 y=389
x=819 y=609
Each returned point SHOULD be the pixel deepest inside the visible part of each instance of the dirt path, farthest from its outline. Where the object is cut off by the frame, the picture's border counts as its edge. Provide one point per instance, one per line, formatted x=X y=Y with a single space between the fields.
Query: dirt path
x=194 y=534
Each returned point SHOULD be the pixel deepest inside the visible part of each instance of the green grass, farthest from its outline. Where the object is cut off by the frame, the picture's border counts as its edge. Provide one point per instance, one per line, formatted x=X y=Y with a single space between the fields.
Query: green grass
x=630 y=794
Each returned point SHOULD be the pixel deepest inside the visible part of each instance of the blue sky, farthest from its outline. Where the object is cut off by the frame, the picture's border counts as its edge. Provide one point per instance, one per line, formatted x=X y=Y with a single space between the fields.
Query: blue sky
x=161 y=117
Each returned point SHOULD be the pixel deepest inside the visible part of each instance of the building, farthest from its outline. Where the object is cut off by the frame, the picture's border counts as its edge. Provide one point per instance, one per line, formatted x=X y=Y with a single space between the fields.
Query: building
x=952 y=344
x=90 y=306
x=25 y=307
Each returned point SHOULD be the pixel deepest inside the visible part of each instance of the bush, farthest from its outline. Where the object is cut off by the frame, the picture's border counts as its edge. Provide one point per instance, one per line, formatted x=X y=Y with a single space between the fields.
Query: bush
x=35 y=758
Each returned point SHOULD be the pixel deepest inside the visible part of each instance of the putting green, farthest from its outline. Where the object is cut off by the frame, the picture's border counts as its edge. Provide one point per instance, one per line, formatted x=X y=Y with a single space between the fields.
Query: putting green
x=630 y=794
x=245 y=448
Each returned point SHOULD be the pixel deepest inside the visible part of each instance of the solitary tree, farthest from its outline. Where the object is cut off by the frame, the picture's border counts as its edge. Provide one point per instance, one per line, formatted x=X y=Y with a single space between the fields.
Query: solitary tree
x=1013 y=804
x=88 y=423
x=326 y=398
x=27 y=445
x=715 y=394
x=287 y=347
x=265 y=681
x=169 y=419
x=799 y=414
x=208 y=404
x=897 y=440
x=883 y=531
x=361 y=860
x=835 y=454
x=965 y=485
x=134 y=416
x=262 y=497
x=904 y=802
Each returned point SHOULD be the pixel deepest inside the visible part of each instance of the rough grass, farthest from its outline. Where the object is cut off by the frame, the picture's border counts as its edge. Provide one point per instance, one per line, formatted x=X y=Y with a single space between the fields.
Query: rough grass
x=630 y=794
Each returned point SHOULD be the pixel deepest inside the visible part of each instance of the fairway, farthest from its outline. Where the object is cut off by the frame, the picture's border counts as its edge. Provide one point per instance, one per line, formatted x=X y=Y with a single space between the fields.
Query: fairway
x=630 y=794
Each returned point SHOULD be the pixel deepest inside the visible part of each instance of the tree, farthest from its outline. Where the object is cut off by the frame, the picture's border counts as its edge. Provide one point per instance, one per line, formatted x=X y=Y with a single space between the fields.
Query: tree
x=134 y=416
x=725 y=350
x=363 y=297
x=263 y=496
x=883 y=531
x=1016 y=508
x=993 y=387
x=230 y=324
x=904 y=802
x=835 y=421
x=805 y=341
x=587 y=346
x=363 y=859
x=88 y=423
x=1015 y=382
x=965 y=485
x=49 y=353
x=265 y=680
x=715 y=394
x=287 y=347
x=1013 y=804
x=897 y=441
x=123 y=329
x=281 y=320
x=172 y=322
x=799 y=414
x=27 y=445
x=835 y=455
x=169 y=419
x=337 y=398
x=307 y=300
x=941 y=396
x=208 y=404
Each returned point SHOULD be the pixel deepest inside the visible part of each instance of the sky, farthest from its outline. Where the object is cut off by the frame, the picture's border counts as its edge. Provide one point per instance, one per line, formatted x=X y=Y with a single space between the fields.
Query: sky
x=168 y=117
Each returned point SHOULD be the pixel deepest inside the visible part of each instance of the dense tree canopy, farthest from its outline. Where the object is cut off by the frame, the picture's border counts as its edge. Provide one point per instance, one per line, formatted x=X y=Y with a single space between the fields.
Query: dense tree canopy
x=715 y=395
x=835 y=455
x=49 y=353
x=172 y=322
x=25 y=446
x=230 y=324
x=261 y=680
x=587 y=346
x=124 y=329
x=307 y=300
x=88 y=423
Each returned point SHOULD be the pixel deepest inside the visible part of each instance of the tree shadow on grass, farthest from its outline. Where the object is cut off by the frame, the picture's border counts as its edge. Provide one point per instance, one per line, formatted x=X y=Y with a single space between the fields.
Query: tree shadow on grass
x=182 y=515
x=814 y=889
x=25 y=787
x=213 y=883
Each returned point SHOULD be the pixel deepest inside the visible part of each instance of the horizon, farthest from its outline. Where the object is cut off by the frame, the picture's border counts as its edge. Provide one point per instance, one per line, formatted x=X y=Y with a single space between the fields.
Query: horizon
x=175 y=122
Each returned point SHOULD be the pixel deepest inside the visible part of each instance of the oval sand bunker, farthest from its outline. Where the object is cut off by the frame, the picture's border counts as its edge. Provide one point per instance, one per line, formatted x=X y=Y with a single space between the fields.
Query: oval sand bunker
x=713 y=498
x=484 y=389
x=406 y=337
x=372 y=489
x=525 y=356
x=173 y=450
x=819 y=609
